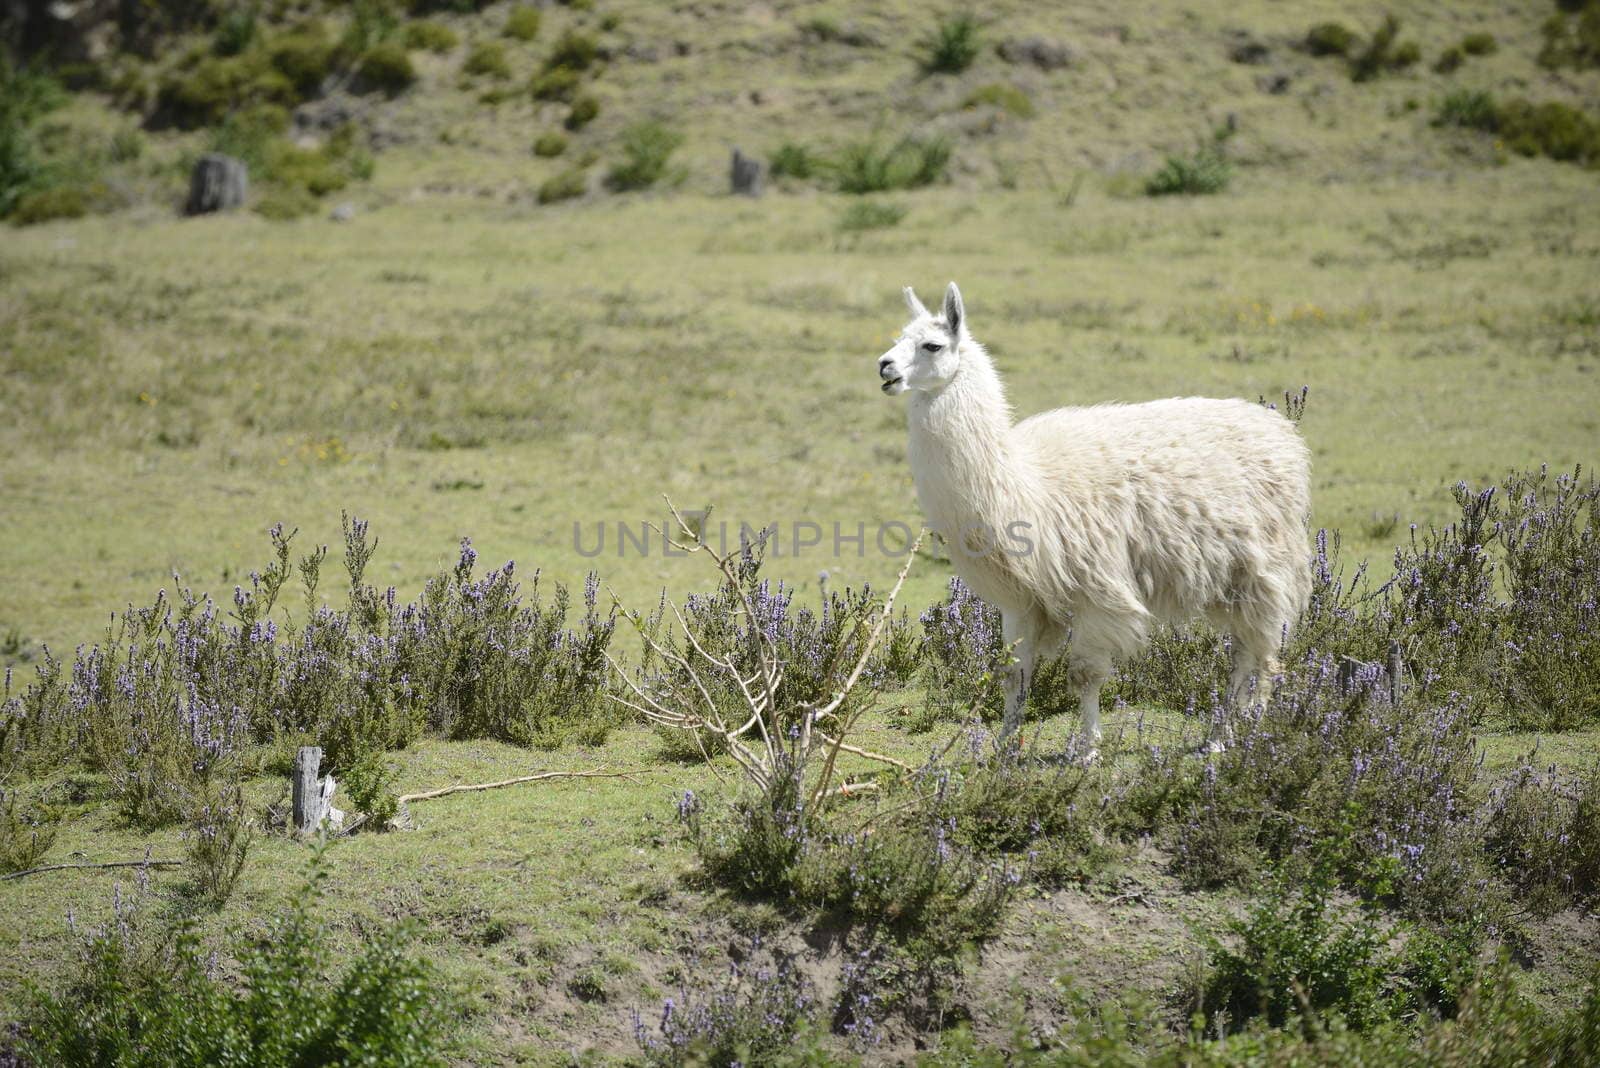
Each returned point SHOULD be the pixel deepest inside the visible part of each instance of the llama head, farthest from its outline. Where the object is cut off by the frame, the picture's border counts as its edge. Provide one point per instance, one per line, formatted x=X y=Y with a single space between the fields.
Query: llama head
x=927 y=353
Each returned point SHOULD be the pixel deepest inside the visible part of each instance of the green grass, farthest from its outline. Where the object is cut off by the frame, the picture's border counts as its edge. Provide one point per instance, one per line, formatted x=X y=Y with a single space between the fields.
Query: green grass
x=164 y=402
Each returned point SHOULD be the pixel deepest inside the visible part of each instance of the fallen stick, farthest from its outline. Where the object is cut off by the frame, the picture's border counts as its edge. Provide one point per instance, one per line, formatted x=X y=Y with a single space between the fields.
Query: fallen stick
x=108 y=864
x=597 y=773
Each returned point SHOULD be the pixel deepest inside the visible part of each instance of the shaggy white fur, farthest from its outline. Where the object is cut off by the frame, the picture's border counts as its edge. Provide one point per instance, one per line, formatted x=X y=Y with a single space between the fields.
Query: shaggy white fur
x=1098 y=523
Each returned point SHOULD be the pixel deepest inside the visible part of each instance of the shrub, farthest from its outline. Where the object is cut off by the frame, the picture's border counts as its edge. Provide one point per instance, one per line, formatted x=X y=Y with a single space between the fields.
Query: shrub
x=1383 y=54
x=752 y=1017
x=235 y=33
x=1542 y=832
x=910 y=877
x=1007 y=98
x=1297 y=955
x=1472 y=109
x=550 y=145
x=874 y=167
x=140 y=999
x=371 y=22
x=1330 y=39
x=964 y=654
x=251 y=134
x=870 y=215
x=1205 y=172
x=557 y=83
x=647 y=149
x=282 y=205
x=792 y=160
x=205 y=94
x=522 y=23
x=24 y=837
x=216 y=844
x=430 y=36
x=1572 y=42
x=1389 y=782
x=584 y=110
x=50 y=204
x=305 y=56
x=1479 y=44
x=473 y=657
x=567 y=185
x=953 y=46
x=573 y=51
x=369 y=780
x=386 y=67
x=24 y=97
x=1449 y=61
x=1552 y=129
x=488 y=60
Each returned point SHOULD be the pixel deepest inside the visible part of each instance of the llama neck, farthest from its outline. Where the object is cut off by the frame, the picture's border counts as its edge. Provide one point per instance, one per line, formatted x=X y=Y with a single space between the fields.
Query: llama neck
x=962 y=456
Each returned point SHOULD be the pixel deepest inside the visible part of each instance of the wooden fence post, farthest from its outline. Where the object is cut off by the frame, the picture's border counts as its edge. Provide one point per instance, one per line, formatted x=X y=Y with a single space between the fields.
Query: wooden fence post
x=1397 y=668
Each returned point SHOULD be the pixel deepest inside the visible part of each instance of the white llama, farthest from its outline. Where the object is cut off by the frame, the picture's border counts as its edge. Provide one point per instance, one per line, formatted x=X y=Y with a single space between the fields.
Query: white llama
x=1097 y=523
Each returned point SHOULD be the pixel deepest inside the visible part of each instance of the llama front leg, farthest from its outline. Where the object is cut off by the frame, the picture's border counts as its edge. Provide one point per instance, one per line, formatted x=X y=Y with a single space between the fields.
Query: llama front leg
x=1017 y=632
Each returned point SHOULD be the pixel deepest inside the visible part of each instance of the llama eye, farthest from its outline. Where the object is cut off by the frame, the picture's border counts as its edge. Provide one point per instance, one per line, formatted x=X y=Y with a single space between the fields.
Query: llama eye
x=931 y=346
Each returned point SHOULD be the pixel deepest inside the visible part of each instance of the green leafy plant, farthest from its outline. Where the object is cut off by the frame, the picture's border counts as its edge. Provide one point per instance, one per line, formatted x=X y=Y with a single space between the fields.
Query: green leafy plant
x=585 y=109
x=567 y=185
x=387 y=67
x=24 y=835
x=429 y=36
x=144 y=997
x=369 y=780
x=1205 y=172
x=1330 y=39
x=647 y=149
x=793 y=160
x=550 y=144
x=1384 y=52
x=522 y=23
x=873 y=166
x=487 y=60
x=953 y=45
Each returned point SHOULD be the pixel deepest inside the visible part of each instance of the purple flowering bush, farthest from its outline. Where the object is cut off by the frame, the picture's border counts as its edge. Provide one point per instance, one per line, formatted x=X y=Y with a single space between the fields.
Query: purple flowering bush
x=752 y=1016
x=1498 y=611
x=894 y=868
x=183 y=696
x=216 y=844
x=817 y=647
x=1393 y=783
x=963 y=654
x=1542 y=832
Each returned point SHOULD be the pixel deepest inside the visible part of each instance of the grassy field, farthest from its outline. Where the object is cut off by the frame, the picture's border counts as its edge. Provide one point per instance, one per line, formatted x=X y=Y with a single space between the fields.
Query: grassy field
x=459 y=361
x=446 y=369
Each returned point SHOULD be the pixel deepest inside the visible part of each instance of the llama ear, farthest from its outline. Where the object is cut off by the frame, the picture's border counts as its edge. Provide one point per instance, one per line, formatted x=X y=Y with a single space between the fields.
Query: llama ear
x=912 y=303
x=954 y=314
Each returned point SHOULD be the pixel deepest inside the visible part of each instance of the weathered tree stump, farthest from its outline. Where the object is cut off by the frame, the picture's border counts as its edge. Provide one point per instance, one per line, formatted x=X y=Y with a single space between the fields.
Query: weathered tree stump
x=218 y=183
x=746 y=174
x=312 y=797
